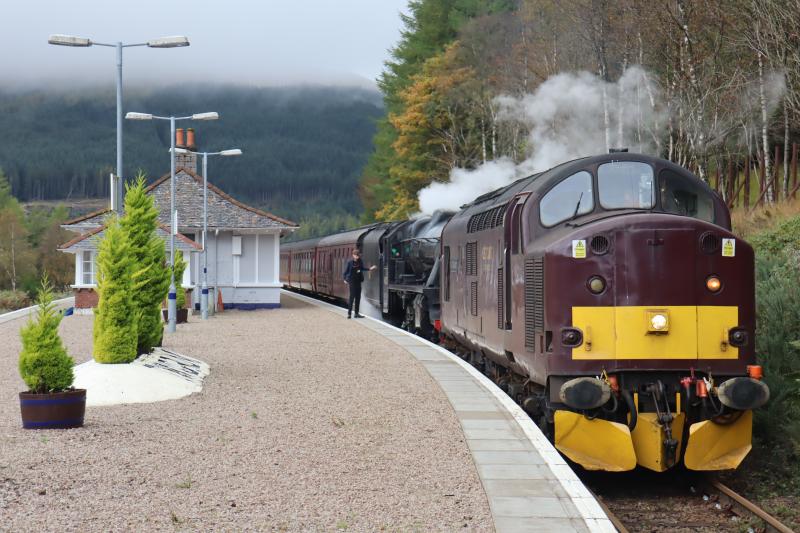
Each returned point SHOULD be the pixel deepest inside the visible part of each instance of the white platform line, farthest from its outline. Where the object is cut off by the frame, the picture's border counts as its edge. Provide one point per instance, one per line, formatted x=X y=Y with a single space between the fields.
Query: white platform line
x=593 y=515
x=24 y=313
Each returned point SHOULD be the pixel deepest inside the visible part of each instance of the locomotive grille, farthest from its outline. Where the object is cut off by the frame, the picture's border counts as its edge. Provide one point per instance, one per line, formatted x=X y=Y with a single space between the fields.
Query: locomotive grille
x=472 y=258
x=599 y=244
x=709 y=243
x=534 y=300
x=474 y=296
x=500 y=300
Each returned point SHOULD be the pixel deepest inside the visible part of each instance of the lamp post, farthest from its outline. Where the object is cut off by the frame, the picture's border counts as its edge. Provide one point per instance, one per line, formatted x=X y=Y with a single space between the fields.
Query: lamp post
x=223 y=153
x=163 y=42
x=171 y=309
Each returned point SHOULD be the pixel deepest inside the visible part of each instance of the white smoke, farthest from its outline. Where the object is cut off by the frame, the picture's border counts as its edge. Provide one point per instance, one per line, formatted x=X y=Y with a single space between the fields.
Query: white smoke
x=570 y=115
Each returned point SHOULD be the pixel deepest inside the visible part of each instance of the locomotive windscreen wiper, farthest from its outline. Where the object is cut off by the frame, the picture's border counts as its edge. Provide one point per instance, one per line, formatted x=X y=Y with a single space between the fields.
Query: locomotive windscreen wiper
x=577 y=208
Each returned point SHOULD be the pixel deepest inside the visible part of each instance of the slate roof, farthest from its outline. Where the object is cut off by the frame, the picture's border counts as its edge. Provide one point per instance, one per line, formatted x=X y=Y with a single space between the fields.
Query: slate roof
x=224 y=211
x=90 y=240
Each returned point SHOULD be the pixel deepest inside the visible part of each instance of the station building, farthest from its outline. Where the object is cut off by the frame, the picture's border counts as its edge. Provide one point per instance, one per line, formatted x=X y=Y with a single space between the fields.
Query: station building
x=243 y=242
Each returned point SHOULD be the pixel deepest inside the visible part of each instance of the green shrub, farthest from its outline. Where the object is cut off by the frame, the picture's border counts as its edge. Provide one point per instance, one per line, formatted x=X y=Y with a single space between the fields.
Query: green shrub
x=180 y=267
x=12 y=300
x=44 y=363
x=778 y=330
x=147 y=250
x=785 y=237
x=115 y=338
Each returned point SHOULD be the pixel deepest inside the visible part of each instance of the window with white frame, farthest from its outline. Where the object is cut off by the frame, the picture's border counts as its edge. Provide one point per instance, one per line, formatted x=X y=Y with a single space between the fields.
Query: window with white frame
x=88 y=268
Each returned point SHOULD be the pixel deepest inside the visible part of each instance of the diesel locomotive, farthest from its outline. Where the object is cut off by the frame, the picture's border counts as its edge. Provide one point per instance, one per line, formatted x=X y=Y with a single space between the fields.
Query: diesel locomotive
x=606 y=295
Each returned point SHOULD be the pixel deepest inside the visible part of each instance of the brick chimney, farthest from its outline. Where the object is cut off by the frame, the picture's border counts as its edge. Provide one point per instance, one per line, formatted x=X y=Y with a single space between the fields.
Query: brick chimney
x=185 y=161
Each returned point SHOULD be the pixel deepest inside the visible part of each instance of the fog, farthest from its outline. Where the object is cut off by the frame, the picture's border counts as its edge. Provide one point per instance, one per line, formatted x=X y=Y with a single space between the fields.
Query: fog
x=272 y=42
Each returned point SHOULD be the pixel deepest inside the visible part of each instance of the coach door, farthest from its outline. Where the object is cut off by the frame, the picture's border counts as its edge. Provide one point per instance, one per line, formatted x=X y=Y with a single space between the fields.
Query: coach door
x=512 y=234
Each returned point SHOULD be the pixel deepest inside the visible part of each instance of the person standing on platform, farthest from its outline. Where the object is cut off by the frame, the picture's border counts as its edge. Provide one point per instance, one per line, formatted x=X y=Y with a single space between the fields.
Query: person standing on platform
x=353 y=276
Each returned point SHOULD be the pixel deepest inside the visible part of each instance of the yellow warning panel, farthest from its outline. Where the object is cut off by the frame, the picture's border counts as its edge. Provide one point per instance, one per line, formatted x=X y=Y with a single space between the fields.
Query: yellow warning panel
x=635 y=340
x=597 y=325
x=713 y=446
x=713 y=325
x=594 y=444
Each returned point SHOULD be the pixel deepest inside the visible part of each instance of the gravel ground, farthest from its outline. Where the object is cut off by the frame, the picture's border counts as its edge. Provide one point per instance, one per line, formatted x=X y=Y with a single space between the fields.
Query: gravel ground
x=316 y=435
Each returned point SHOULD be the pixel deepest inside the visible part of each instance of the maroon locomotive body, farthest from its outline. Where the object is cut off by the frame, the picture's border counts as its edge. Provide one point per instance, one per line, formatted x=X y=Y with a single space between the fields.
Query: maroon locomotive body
x=607 y=295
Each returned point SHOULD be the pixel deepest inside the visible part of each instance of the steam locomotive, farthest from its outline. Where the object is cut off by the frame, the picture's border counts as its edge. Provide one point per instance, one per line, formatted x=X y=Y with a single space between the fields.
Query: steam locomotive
x=606 y=295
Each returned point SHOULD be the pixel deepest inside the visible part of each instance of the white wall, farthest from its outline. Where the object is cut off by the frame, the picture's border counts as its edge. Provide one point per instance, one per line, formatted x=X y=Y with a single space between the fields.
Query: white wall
x=251 y=277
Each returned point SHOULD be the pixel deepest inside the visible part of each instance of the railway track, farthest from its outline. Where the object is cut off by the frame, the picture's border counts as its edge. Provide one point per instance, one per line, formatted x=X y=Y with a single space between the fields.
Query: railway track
x=644 y=502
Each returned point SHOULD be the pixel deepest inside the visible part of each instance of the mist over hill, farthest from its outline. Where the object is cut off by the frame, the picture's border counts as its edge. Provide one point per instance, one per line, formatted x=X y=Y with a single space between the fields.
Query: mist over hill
x=304 y=147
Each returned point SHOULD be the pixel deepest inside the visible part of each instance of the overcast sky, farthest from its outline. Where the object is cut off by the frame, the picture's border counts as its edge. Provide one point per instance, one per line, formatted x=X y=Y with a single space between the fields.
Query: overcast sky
x=263 y=42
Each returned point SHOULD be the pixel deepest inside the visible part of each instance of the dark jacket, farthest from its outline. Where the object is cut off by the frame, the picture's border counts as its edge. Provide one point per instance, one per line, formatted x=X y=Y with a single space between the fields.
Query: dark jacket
x=354 y=271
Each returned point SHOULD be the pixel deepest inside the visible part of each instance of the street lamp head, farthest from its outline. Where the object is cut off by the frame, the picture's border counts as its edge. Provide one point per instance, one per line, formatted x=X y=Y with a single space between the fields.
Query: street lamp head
x=138 y=116
x=169 y=42
x=206 y=116
x=181 y=151
x=69 y=40
x=232 y=152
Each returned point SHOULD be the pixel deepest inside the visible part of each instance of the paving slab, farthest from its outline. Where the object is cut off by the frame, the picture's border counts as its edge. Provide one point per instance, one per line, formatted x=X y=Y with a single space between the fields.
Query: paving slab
x=529 y=485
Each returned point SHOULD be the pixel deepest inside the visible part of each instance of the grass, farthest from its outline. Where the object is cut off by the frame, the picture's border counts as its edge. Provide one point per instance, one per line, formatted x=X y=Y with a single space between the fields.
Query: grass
x=185 y=484
x=763 y=218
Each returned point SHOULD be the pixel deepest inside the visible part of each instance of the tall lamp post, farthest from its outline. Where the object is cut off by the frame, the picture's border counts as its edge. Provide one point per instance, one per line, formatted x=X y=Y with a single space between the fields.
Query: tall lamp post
x=164 y=42
x=171 y=309
x=223 y=153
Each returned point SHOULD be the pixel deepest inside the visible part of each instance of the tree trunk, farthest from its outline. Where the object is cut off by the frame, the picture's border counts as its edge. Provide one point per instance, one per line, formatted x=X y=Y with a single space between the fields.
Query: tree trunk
x=785 y=147
x=764 y=127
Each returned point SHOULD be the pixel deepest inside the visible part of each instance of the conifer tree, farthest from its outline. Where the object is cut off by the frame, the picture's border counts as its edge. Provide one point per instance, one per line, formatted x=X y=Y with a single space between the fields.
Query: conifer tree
x=147 y=250
x=115 y=337
x=44 y=363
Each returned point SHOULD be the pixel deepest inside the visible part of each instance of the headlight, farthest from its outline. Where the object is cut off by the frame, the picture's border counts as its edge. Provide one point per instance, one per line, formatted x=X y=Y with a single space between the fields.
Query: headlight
x=596 y=284
x=713 y=284
x=659 y=322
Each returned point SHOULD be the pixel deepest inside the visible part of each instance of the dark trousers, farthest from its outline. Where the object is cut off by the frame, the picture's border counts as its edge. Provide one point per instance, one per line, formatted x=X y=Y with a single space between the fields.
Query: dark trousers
x=355 y=296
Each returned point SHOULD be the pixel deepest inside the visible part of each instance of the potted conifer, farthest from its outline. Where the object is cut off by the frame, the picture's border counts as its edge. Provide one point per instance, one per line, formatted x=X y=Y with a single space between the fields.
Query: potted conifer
x=46 y=368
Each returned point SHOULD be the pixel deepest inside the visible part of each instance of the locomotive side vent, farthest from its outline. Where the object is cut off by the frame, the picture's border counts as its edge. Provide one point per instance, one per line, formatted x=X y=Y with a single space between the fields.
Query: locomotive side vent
x=501 y=323
x=534 y=300
x=599 y=244
x=474 y=297
x=709 y=243
x=472 y=258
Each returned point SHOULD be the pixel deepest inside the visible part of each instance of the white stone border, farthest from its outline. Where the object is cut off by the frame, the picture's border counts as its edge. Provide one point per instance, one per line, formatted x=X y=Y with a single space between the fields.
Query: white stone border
x=594 y=516
x=24 y=313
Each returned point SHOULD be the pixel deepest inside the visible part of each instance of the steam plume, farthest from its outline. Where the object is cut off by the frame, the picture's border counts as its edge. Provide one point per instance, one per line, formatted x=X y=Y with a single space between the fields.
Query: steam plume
x=570 y=115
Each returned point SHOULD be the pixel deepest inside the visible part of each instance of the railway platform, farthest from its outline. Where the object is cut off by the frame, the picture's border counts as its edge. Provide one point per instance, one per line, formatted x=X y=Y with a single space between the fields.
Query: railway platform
x=307 y=421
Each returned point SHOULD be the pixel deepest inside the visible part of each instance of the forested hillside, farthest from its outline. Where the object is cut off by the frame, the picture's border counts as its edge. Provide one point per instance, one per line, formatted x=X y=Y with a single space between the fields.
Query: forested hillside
x=511 y=87
x=304 y=148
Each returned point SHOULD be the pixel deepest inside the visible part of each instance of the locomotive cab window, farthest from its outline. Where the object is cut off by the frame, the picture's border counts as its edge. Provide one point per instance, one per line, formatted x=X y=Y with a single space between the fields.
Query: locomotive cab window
x=684 y=196
x=570 y=198
x=626 y=185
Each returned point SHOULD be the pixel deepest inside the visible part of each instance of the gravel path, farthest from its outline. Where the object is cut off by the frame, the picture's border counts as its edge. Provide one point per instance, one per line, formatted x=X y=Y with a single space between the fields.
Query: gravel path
x=316 y=435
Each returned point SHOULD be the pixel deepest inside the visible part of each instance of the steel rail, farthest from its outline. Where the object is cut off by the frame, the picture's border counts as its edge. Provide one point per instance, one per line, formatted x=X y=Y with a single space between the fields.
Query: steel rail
x=736 y=499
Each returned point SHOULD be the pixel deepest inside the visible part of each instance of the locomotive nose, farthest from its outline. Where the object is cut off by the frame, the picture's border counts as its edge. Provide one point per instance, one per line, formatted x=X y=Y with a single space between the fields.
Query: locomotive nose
x=672 y=295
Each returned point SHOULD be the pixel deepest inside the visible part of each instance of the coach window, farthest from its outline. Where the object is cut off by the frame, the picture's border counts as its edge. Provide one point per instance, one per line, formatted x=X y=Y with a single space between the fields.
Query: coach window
x=626 y=185
x=571 y=197
x=683 y=195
